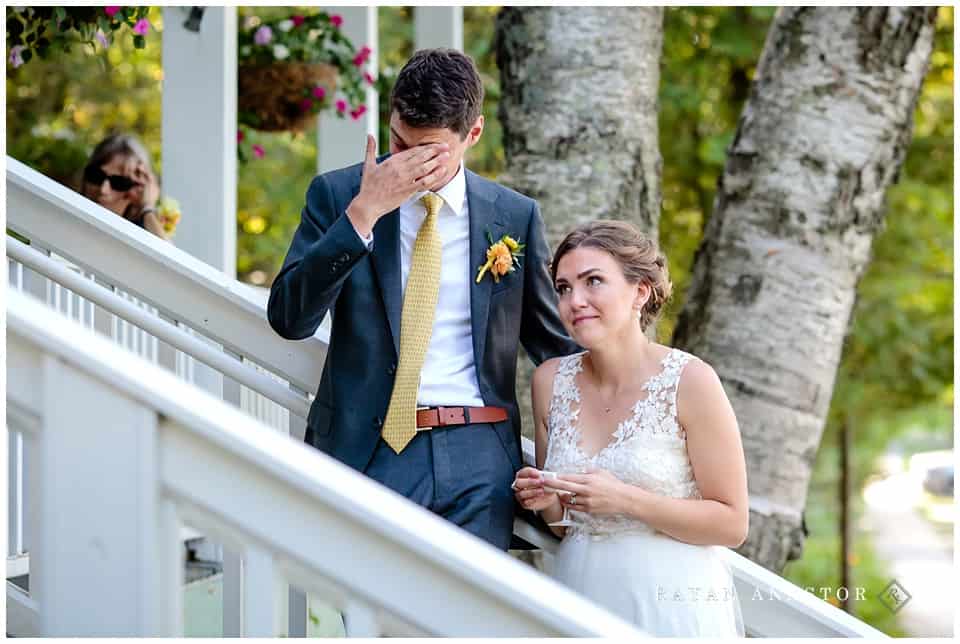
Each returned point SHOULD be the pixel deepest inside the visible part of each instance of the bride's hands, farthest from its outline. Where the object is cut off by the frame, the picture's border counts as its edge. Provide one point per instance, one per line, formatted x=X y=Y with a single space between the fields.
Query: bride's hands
x=598 y=492
x=529 y=492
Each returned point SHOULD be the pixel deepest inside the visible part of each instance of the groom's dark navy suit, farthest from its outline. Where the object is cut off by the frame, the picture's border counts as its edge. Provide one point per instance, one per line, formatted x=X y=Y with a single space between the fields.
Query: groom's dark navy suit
x=328 y=268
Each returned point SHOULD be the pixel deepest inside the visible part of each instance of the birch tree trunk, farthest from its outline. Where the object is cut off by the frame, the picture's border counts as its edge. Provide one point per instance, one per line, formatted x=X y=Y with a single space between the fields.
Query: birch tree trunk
x=579 y=114
x=821 y=138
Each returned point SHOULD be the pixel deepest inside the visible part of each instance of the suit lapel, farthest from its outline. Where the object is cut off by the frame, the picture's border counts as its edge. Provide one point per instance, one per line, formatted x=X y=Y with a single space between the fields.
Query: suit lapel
x=483 y=218
x=386 y=262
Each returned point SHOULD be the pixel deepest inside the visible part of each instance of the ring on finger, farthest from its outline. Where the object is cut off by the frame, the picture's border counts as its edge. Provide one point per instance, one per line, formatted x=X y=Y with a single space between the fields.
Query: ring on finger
x=573 y=499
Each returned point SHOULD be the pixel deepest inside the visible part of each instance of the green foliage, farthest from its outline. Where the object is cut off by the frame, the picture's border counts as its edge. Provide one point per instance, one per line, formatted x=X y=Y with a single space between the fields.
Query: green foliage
x=47 y=31
x=270 y=194
x=486 y=157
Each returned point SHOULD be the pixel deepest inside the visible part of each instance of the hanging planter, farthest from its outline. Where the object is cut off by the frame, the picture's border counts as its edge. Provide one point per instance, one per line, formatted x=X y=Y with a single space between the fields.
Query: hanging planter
x=291 y=69
x=279 y=96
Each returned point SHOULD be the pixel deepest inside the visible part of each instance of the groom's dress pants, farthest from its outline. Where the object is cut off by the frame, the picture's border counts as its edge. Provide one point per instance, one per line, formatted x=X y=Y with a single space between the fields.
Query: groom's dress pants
x=462 y=473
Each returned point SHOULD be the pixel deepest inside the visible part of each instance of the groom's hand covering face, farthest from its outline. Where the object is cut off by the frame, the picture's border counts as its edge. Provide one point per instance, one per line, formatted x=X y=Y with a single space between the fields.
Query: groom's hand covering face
x=384 y=186
x=404 y=138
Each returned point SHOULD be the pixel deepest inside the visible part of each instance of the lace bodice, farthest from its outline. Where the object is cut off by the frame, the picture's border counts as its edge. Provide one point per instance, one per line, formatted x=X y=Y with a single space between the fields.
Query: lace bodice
x=648 y=448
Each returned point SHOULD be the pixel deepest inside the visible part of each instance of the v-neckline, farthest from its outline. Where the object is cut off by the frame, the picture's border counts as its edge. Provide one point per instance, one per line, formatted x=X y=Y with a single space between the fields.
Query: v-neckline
x=578 y=432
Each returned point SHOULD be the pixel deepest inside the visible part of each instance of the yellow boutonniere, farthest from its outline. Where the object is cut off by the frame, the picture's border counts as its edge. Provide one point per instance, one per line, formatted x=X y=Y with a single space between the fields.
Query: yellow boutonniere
x=502 y=257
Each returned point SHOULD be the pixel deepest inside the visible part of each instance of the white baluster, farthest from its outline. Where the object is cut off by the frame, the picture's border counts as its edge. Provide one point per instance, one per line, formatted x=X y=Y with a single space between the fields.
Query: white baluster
x=360 y=620
x=265 y=596
x=232 y=593
x=15 y=494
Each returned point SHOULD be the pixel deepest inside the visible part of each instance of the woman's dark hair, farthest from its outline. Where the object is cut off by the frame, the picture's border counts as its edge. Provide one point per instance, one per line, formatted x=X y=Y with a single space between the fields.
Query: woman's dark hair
x=125 y=145
x=638 y=256
x=438 y=88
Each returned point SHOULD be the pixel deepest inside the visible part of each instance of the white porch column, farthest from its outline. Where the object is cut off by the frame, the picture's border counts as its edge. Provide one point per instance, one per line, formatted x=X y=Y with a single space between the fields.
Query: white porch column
x=199 y=131
x=340 y=142
x=437 y=27
x=199 y=143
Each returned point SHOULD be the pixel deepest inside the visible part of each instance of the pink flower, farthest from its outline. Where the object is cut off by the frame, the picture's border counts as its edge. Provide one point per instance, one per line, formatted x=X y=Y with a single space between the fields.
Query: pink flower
x=319 y=92
x=336 y=20
x=297 y=20
x=362 y=56
x=15 y=58
x=306 y=105
x=258 y=151
x=142 y=27
x=263 y=35
x=358 y=112
x=239 y=136
x=341 y=106
x=111 y=11
x=369 y=78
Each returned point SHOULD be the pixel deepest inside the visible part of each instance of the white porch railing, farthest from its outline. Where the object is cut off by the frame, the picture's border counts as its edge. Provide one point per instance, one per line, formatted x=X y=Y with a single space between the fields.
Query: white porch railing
x=191 y=291
x=168 y=294
x=108 y=561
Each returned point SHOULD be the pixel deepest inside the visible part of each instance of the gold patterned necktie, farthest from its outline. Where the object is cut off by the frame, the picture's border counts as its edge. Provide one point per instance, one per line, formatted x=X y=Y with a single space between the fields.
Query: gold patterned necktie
x=416 y=327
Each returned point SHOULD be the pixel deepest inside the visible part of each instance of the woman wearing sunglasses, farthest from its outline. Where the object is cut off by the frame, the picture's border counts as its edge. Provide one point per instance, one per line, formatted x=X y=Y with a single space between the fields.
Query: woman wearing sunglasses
x=120 y=178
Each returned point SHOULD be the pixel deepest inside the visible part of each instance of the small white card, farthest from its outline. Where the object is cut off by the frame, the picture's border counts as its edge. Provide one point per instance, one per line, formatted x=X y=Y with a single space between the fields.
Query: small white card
x=552 y=475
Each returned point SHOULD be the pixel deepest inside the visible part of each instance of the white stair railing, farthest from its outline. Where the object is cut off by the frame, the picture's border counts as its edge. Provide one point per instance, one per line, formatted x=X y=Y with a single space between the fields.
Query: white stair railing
x=41 y=209
x=168 y=287
x=93 y=293
x=108 y=558
x=136 y=262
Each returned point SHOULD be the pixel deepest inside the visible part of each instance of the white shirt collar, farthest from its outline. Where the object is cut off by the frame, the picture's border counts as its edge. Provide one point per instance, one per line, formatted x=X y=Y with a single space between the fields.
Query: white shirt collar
x=453 y=193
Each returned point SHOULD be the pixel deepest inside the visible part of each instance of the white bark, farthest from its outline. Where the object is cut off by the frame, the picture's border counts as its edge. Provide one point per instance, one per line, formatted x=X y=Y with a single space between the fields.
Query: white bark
x=579 y=113
x=821 y=138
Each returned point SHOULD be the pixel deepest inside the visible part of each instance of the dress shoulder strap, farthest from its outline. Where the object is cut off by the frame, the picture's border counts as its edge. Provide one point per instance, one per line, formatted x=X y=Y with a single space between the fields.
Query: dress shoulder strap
x=564 y=390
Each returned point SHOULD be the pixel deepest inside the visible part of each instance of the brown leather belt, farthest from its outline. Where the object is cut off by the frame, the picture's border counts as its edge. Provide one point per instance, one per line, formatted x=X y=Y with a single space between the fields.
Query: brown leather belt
x=430 y=417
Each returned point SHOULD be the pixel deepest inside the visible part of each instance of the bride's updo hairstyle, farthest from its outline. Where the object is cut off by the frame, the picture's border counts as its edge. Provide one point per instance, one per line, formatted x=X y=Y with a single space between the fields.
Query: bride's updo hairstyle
x=639 y=258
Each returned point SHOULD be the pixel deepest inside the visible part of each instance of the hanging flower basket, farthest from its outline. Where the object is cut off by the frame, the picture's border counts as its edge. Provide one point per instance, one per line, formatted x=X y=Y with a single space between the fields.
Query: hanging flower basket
x=292 y=68
x=273 y=94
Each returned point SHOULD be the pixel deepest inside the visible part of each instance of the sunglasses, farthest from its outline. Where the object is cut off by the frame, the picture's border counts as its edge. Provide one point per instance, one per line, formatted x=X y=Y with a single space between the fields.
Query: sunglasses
x=118 y=182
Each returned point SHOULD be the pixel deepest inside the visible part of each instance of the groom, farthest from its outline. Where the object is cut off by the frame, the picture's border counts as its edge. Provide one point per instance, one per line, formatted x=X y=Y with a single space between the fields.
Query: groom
x=418 y=386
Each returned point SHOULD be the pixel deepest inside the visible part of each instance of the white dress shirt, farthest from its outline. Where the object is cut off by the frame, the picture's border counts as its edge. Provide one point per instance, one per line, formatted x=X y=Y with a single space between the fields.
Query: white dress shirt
x=449 y=375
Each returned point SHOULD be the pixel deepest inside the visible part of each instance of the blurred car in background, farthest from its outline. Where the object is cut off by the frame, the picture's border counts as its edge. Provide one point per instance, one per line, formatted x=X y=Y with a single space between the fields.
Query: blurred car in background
x=939 y=480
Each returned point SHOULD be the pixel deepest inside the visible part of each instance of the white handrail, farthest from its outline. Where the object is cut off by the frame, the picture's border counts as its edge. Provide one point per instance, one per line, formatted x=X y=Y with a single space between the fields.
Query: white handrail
x=176 y=283
x=158 y=327
x=307 y=517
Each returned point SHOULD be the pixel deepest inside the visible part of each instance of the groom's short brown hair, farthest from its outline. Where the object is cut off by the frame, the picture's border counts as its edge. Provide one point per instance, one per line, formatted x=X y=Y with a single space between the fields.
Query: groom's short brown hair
x=438 y=88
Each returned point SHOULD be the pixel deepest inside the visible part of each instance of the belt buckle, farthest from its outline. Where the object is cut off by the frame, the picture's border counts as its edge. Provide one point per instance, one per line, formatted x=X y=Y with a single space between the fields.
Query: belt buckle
x=423 y=429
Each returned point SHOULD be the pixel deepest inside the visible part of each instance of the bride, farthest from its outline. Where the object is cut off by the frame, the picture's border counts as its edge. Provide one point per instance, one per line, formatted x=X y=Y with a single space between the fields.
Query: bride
x=645 y=443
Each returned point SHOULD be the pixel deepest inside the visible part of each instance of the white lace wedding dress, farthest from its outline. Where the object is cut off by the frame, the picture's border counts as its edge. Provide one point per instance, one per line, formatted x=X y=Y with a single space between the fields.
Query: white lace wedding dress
x=664 y=586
